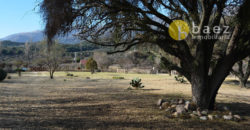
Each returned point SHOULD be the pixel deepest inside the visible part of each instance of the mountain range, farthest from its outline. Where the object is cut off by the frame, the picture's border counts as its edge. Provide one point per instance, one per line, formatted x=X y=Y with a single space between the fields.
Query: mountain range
x=37 y=36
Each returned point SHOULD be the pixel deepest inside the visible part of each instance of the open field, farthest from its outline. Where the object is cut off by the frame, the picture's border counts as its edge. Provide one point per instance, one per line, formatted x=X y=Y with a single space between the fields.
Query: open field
x=35 y=101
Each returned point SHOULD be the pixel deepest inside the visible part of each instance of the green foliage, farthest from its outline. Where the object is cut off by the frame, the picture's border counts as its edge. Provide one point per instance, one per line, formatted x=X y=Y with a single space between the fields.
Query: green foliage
x=91 y=65
x=117 y=77
x=70 y=74
x=78 y=60
x=3 y=75
x=136 y=83
x=180 y=79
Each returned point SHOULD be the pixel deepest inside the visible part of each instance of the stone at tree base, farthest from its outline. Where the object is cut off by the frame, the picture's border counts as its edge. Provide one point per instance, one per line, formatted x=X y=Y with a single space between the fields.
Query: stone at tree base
x=159 y=102
x=192 y=115
x=203 y=118
x=169 y=109
x=190 y=106
x=180 y=109
x=181 y=101
x=187 y=106
x=199 y=113
x=176 y=114
x=227 y=117
x=173 y=106
x=237 y=117
x=210 y=117
x=174 y=101
x=195 y=113
x=165 y=105
x=204 y=112
x=187 y=102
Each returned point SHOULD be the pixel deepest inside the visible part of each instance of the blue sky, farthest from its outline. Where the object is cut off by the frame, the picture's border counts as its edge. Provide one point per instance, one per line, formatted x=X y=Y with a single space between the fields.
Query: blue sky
x=19 y=16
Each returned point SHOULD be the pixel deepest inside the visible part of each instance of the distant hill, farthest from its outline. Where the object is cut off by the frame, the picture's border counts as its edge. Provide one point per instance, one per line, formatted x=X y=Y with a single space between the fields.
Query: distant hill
x=37 y=36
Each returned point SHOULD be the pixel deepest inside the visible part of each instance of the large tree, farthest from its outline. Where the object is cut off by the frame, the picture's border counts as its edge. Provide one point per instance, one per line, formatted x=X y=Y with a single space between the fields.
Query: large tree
x=126 y=23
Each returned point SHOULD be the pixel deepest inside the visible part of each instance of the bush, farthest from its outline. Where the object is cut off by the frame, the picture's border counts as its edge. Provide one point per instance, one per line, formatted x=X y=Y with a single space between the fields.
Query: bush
x=3 y=75
x=180 y=79
x=117 y=77
x=136 y=83
x=70 y=74
x=91 y=65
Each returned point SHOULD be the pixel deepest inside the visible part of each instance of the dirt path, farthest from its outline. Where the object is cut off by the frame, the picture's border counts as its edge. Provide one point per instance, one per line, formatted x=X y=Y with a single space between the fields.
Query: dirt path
x=35 y=102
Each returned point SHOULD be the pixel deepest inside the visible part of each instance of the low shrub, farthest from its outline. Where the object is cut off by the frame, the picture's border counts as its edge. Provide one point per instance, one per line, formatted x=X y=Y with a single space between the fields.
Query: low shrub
x=3 y=75
x=180 y=79
x=117 y=77
x=136 y=83
x=70 y=74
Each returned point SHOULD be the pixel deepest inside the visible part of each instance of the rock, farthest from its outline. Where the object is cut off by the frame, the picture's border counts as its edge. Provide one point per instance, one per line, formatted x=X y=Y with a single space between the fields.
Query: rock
x=187 y=106
x=227 y=117
x=199 y=113
x=204 y=112
x=181 y=101
x=173 y=106
x=210 y=117
x=195 y=113
x=174 y=101
x=168 y=109
x=237 y=117
x=176 y=114
x=204 y=118
x=165 y=105
x=87 y=77
x=192 y=115
x=180 y=109
x=171 y=110
x=159 y=102
x=187 y=102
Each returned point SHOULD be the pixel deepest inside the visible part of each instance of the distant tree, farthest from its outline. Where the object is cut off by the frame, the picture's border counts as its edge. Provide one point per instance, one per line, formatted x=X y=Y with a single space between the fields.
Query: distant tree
x=242 y=71
x=91 y=65
x=103 y=60
x=3 y=74
x=53 y=56
x=27 y=52
x=18 y=64
x=4 y=52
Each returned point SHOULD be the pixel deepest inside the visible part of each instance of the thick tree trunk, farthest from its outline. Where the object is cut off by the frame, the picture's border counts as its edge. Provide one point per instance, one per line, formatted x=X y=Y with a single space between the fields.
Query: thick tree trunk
x=51 y=75
x=199 y=94
x=204 y=92
x=204 y=96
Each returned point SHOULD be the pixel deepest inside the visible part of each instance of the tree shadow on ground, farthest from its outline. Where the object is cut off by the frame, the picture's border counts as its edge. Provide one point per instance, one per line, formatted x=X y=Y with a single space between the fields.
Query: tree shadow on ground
x=242 y=109
x=236 y=82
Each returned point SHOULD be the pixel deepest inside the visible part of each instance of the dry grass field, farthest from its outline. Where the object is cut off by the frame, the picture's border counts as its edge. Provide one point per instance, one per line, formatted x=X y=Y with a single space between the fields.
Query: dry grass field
x=33 y=101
